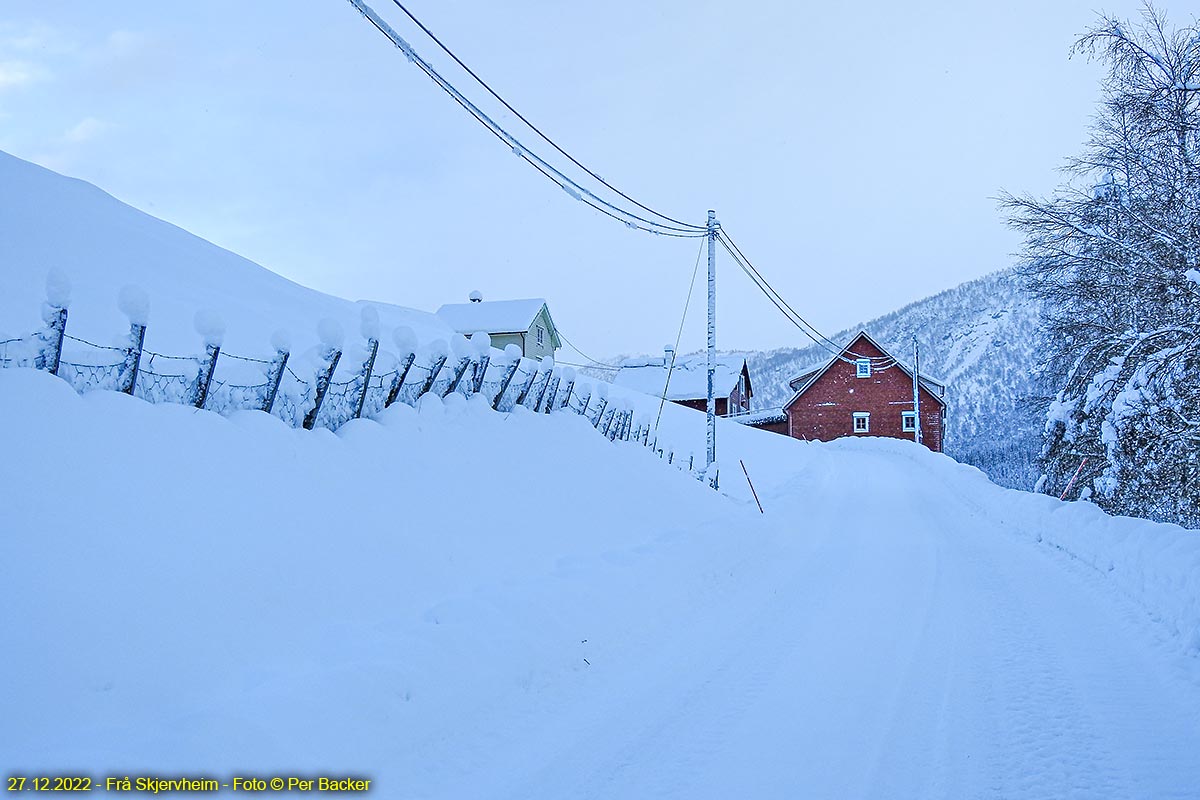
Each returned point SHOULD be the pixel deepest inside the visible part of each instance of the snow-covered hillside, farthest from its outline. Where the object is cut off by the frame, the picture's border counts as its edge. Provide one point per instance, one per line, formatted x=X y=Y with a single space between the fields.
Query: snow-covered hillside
x=456 y=602
x=48 y=221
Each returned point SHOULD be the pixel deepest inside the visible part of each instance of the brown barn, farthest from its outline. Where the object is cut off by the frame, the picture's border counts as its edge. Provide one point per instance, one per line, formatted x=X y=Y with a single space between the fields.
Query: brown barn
x=865 y=391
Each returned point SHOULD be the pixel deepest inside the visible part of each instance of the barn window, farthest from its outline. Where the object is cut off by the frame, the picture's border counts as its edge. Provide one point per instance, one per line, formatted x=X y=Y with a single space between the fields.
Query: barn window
x=541 y=335
x=908 y=420
x=862 y=422
x=864 y=368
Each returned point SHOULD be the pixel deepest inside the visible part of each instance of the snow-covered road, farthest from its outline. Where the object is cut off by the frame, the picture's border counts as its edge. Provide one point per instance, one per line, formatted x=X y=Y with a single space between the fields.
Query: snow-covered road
x=905 y=645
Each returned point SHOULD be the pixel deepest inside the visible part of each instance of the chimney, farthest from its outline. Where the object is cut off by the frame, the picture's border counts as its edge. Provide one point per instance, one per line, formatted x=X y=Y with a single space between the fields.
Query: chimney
x=668 y=355
x=476 y=296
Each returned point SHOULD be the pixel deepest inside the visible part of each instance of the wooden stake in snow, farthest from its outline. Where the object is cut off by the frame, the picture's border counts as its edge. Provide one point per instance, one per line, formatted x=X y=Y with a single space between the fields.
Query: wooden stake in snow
x=747 y=474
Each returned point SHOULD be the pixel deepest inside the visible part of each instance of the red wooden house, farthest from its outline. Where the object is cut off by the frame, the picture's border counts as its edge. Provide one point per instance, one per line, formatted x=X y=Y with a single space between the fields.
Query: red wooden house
x=865 y=391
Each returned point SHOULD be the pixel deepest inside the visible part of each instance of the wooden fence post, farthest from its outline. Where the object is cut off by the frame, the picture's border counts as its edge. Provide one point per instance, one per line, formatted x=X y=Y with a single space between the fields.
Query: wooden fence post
x=525 y=389
x=205 y=375
x=54 y=314
x=600 y=413
x=275 y=377
x=480 y=370
x=551 y=393
x=459 y=370
x=509 y=371
x=614 y=425
x=481 y=342
x=51 y=352
x=406 y=342
x=546 y=368
x=372 y=350
x=398 y=381
x=438 y=363
x=133 y=358
x=332 y=356
x=566 y=400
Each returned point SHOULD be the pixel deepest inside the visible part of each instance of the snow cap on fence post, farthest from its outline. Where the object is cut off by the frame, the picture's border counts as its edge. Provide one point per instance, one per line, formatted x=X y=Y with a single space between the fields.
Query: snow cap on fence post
x=369 y=324
x=463 y=351
x=406 y=346
x=482 y=342
x=134 y=303
x=281 y=340
x=58 y=288
x=405 y=339
x=331 y=333
x=512 y=352
x=370 y=330
x=210 y=326
x=54 y=314
x=459 y=346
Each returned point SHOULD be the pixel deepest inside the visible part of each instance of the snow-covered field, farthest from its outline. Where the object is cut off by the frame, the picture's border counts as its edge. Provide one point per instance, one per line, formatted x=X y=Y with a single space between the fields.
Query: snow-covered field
x=460 y=603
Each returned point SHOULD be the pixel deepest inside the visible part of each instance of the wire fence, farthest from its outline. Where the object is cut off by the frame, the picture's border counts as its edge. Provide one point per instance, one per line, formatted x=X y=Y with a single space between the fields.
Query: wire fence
x=325 y=391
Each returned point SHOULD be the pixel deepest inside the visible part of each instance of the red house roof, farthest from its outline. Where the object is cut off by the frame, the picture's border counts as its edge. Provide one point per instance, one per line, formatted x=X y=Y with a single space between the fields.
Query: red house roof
x=802 y=383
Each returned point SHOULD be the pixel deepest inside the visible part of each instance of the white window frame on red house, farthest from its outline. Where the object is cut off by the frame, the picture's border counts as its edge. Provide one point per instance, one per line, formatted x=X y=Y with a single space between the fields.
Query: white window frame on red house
x=865 y=418
x=862 y=368
x=908 y=421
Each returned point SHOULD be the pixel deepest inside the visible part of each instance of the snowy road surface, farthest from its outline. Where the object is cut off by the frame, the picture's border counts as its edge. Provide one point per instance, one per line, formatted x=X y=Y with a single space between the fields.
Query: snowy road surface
x=884 y=659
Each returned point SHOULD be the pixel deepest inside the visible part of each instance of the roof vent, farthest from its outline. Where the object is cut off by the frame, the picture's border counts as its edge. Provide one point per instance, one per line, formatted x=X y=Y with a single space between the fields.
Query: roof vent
x=475 y=296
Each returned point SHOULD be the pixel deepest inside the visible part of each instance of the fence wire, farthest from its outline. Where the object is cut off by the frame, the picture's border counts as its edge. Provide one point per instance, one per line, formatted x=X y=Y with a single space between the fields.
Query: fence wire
x=163 y=378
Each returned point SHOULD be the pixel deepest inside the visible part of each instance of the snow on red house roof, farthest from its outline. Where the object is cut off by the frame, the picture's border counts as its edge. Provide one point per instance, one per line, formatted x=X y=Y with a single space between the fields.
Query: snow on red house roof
x=689 y=378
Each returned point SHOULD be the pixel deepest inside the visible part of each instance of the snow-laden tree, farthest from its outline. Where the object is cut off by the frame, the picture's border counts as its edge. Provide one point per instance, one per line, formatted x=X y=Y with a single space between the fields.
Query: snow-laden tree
x=1114 y=254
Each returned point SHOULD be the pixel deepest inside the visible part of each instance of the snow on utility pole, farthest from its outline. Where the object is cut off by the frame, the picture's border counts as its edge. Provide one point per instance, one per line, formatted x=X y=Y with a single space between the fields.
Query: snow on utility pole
x=712 y=334
x=916 y=391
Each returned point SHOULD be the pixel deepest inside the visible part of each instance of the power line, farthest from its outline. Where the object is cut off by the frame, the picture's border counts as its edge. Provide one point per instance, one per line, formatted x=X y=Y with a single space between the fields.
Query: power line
x=572 y=187
x=533 y=127
x=878 y=363
x=577 y=350
x=678 y=337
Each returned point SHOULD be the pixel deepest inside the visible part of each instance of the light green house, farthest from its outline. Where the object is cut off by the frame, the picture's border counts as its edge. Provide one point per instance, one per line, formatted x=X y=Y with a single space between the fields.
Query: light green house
x=525 y=323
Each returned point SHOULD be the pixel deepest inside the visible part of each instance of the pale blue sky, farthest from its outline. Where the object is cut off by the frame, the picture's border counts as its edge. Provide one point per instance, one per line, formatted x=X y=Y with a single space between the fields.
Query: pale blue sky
x=854 y=152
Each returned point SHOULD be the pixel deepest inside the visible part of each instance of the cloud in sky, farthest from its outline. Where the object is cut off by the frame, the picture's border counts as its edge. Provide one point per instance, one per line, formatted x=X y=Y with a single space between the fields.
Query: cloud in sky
x=15 y=74
x=85 y=130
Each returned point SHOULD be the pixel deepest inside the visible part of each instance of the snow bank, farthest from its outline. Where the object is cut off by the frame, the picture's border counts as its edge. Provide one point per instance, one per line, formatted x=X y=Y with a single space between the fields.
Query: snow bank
x=199 y=592
x=1155 y=565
